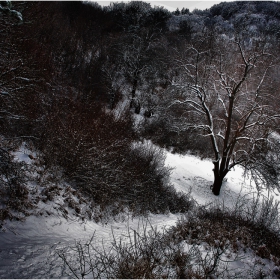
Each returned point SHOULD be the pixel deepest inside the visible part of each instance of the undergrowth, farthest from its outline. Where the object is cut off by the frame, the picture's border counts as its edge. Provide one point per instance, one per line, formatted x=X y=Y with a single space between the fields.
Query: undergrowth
x=206 y=243
x=14 y=194
x=98 y=153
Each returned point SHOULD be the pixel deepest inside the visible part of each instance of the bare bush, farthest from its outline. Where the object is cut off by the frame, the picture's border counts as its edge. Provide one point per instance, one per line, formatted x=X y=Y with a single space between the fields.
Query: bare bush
x=145 y=253
x=253 y=222
x=201 y=245
x=96 y=150
x=14 y=194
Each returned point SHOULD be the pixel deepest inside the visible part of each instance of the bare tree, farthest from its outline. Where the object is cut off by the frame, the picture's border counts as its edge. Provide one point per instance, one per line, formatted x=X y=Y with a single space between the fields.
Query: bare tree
x=21 y=67
x=10 y=62
x=224 y=92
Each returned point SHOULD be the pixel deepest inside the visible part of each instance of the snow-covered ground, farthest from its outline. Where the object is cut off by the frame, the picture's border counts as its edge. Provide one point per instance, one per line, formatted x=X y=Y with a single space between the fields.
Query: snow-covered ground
x=191 y=174
x=27 y=248
x=195 y=175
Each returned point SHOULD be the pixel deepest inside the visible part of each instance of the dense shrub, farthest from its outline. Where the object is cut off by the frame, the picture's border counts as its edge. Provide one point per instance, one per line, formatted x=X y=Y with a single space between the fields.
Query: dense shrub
x=252 y=223
x=168 y=134
x=14 y=194
x=149 y=168
x=97 y=150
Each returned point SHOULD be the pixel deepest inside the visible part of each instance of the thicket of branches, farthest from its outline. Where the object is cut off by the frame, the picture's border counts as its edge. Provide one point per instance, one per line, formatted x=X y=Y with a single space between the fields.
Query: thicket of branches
x=55 y=92
x=98 y=153
x=14 y=193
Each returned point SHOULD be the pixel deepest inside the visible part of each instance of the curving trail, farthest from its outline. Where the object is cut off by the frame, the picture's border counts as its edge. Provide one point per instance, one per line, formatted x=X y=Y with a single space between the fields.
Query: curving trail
x=27 y=249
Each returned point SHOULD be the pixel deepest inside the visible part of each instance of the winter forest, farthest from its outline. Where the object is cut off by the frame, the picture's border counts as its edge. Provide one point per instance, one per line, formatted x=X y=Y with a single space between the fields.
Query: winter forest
x=137 y=142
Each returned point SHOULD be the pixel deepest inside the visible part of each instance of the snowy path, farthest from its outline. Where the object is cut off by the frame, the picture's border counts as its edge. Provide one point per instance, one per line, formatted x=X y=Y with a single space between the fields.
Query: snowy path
x=193 y=174
x=27 y=248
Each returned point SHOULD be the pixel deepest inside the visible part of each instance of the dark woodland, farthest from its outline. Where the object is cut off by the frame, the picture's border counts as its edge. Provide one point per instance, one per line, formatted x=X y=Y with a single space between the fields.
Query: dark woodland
x=83 y=84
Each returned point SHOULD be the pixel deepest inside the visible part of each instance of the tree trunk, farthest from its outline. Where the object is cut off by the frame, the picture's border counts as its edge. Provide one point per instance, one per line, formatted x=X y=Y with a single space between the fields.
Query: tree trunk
x=217 y=185
x=220 y=172
x=134 y=87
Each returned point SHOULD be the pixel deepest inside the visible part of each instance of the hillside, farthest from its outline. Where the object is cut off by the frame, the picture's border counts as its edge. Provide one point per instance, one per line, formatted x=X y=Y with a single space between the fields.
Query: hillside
x=139 y=143
x=33 y=246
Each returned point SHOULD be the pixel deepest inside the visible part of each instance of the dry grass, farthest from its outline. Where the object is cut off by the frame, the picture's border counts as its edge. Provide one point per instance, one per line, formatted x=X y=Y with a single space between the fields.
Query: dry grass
x=199 y=246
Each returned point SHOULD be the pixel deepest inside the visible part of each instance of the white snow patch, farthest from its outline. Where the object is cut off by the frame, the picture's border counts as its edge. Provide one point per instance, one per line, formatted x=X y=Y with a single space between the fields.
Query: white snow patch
x=24 y=154
x=193 y=174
